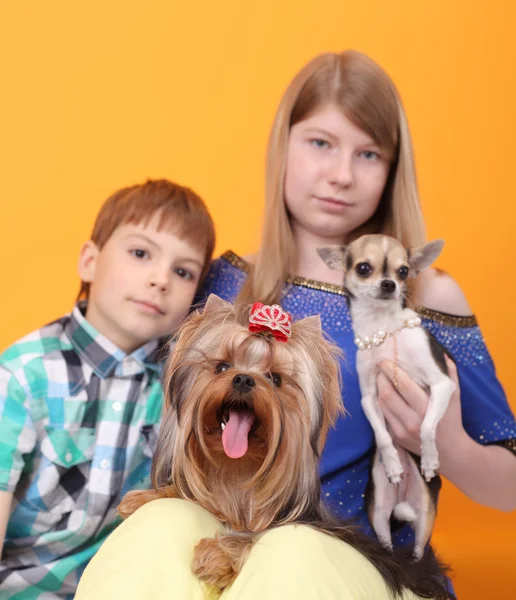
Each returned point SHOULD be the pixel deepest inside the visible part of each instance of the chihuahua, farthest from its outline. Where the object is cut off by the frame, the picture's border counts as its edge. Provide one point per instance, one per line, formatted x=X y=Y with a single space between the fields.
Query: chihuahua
x=376 y=269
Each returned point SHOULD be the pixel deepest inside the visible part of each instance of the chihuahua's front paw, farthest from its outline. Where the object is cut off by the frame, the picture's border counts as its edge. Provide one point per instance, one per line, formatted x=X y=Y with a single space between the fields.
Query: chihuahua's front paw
x=392 y=465
x=386 y=543
x=429 y=466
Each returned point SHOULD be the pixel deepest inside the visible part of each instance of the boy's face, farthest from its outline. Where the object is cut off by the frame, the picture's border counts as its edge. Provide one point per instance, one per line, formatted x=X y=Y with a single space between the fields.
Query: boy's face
x=142 y=283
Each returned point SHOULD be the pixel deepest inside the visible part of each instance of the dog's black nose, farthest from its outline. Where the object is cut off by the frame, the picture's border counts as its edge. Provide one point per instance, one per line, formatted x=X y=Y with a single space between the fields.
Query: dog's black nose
x=243 y=383
x=388 y=286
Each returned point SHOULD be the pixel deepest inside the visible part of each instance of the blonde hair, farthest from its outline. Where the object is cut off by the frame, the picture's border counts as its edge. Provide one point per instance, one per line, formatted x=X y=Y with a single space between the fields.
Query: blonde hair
x=368 y=98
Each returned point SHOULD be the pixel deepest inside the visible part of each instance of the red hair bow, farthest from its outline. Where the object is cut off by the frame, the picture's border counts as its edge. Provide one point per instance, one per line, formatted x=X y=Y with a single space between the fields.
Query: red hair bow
x=270 y=319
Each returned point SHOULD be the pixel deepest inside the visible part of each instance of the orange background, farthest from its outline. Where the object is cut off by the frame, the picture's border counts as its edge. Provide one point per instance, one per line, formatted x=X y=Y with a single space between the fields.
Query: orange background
x=103 y=94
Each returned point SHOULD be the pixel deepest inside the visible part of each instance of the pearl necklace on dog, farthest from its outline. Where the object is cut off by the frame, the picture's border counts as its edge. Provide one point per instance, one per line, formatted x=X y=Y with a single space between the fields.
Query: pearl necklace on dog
x=379 y=337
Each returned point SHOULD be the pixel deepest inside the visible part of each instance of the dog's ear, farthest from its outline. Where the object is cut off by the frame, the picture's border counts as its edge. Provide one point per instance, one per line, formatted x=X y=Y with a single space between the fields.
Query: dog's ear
x=214 y=302
x=334 y=256
x=312 y=322
x=422 y=257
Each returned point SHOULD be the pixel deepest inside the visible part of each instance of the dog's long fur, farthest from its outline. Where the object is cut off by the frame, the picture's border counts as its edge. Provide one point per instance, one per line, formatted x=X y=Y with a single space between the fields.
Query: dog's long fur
x=295 y=398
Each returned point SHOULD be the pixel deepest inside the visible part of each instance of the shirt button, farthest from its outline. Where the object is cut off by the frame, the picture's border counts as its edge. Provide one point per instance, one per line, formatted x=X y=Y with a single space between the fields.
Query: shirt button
x=104 y=463
x=117 y=406
x=68 y=456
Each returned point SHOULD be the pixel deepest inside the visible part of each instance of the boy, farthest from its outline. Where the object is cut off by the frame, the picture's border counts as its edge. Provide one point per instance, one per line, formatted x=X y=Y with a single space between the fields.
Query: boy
x=80 y=399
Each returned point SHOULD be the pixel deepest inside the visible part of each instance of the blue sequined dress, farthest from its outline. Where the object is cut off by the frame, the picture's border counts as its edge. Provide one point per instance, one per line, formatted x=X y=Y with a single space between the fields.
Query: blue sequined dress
x=346 y=458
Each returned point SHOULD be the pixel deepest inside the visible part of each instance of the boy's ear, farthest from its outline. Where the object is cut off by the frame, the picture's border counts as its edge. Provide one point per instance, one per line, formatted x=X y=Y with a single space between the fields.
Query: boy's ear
x=88 y=261
x=333 y=256
x=422 y=257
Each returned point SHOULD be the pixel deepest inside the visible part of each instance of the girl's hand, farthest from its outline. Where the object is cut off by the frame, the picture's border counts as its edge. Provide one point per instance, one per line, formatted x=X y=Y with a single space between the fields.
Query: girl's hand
x=404 y=408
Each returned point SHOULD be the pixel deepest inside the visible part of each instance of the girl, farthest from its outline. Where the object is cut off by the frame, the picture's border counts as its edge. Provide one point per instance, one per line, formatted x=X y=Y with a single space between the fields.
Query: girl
x=339 y=165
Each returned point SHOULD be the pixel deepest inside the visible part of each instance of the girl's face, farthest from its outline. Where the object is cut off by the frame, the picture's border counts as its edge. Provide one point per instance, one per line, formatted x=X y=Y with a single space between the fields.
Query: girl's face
x=335 y=175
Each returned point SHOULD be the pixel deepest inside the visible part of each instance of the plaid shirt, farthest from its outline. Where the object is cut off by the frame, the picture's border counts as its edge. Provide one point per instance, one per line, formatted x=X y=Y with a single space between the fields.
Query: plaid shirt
x=78 y=427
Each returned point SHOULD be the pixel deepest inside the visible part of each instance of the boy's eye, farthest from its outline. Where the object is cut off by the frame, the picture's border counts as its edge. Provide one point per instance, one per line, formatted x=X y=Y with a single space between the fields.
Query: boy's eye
x=403 y=273
x=319 y=143
x=139 y=253
x=221 y=367
x=370 y=155
x=363 y=269
x=183 y=273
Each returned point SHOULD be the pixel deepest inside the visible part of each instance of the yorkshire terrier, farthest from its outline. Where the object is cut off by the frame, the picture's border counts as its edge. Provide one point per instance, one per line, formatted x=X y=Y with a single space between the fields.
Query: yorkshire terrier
x=249 y=401
x=376 y=271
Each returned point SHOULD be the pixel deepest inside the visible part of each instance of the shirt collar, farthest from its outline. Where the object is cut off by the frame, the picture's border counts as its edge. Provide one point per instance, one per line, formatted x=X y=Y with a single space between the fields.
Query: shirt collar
x=104 y=357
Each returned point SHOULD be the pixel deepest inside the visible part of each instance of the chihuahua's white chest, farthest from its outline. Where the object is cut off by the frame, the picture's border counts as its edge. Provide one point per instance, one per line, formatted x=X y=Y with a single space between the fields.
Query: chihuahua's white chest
x=408 y=348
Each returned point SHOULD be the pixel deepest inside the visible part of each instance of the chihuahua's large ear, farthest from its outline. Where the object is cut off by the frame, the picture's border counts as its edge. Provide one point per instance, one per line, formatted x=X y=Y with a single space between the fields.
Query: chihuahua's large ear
x=88 y=261
x=214 y=302
x=422 y=257
x=333 y=256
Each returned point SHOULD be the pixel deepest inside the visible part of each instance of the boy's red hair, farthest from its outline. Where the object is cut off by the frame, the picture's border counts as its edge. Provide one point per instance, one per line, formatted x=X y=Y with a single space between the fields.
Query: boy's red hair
x=182 y=212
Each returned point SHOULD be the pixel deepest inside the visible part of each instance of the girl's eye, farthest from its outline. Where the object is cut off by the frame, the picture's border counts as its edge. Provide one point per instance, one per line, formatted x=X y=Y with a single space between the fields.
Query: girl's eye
x=275 y=378
x=183 y=273
x=221 y=367
x=319 y=143
x=370 y=155
x=363 y=269
x=139 y=253
x=403 y=273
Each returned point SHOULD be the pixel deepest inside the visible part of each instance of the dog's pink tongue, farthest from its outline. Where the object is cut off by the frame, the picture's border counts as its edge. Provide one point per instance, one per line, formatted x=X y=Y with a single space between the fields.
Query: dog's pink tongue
x=234 y=436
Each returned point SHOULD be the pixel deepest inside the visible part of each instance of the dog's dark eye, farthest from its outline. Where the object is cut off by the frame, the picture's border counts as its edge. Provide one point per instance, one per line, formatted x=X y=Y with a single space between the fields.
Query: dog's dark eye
x=363 y=269
x=275 y=379
x=403 y=273
x=221 y=367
